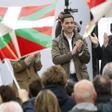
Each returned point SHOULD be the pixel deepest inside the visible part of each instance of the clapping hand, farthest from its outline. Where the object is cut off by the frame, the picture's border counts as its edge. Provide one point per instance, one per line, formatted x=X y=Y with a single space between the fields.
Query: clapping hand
x=78 y=46
x=106 y=40
x=94 y=39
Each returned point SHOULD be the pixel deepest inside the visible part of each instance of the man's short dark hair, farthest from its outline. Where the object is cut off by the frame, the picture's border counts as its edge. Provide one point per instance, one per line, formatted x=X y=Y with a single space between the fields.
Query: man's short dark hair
x=107 y=70
x=35 y=87
x=66 y=16
x=102 y=85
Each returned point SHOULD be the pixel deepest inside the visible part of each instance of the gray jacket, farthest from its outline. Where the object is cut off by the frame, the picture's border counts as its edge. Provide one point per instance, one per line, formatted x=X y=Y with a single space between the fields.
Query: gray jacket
x=84 y=107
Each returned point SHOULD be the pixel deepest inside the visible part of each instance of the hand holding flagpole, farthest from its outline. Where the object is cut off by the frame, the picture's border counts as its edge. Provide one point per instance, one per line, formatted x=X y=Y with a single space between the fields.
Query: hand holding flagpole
x=12 y=75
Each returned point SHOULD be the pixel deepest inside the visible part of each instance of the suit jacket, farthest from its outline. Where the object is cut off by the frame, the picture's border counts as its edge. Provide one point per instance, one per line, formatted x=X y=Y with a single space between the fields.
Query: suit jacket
x=61 y=55
x=104 y=54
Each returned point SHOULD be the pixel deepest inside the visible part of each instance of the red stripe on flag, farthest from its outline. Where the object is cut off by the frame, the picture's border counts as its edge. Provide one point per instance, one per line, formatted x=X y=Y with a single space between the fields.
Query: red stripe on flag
x=3 y=11
x=44 y=30
x=5 y=52
x=51 y=13
x=30 y=10
x=94 y=3
x=27 y=46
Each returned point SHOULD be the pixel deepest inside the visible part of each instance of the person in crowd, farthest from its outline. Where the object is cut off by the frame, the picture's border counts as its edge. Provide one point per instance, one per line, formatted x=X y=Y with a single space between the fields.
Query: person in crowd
x=104 y=52
x=102 y=85
x=70 y=50
x=7 y=94
x=69 y=87
x=35 y=87
x=25 y=70
x=85 y=96
x=55 y=79
x=95 y=60
x=58 y=28
x=28 y=97
x=46 y=101
x=27 y=103
x=107 y=70
x=58 y=25
x=110 y=35
x=10 y=106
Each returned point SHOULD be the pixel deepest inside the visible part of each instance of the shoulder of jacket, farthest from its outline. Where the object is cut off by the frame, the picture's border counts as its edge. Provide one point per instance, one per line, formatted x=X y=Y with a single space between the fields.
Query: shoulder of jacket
x=58 y=39
x=77 y=35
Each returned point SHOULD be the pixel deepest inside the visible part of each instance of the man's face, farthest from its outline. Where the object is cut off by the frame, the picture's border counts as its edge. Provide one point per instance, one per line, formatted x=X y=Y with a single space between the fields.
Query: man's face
x=68 y=25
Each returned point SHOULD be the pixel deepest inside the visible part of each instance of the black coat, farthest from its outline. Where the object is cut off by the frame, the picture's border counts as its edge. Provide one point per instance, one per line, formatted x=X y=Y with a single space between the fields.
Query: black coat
x=66 y=103
x=103 y=98
x=28 y=106
x=104 y=54
x=105 y=107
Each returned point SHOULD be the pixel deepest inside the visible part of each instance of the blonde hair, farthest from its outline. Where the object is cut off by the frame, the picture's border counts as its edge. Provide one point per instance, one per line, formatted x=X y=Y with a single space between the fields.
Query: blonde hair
x=46 y=101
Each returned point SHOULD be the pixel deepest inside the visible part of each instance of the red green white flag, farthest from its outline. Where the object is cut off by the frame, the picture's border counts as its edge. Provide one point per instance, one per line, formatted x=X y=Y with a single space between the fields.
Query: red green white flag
x=98 y=8
x=31 y=30
x=7 y=48
x=2 y=12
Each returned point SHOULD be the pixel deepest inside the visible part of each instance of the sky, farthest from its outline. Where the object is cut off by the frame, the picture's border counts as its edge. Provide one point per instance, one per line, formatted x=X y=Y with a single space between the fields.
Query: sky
x=21 y=2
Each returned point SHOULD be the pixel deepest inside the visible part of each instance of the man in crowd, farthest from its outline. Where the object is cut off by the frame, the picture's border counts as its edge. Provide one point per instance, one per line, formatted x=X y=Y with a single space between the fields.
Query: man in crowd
x=85 y=96
x=70 y=50
x=25 y=70
x=107 y=70
x=102 y=84
x=104 y=52
x=11 y=106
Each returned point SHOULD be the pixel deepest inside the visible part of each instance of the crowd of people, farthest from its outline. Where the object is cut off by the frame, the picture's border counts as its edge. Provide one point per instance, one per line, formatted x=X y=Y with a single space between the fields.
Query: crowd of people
x=65 y=86
x=54 y=93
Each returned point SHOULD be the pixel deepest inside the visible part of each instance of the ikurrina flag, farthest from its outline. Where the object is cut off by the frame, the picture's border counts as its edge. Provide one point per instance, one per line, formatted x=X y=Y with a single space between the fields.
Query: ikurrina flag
x=7 y=48
x=2 y=12
x=26 y=30
x=98 y=9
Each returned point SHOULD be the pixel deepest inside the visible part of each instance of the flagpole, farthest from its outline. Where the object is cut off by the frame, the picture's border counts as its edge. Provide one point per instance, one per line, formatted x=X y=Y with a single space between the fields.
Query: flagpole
x=12 y=75
x=89 y=28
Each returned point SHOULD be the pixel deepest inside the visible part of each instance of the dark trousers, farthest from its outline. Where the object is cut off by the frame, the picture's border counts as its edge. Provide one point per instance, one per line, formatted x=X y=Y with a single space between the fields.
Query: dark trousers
x=73 y=77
